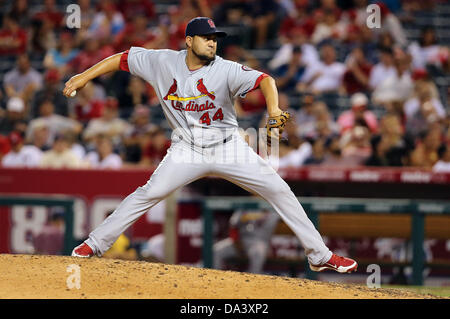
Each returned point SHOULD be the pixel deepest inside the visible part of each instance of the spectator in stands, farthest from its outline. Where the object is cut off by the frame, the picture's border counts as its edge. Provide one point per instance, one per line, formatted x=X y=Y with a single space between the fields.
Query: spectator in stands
x=425 y=154
x=61 y=56
x=426 y=50
x=330 y=27
x=423 y=109
x=21 y=11
x=291 y=156
x=107 y=23
x=93 y=52
x=51 y=14
x=288 y=75
x=358 y=115
x=235 y=13
x=380 y=149
x=355 y=144
x=49 y=240
x=391 y=146
x=52 y=91
x=43 y=37
x=176 y=22
x=156 y=148
x=136 y=33
x=391 y=24
x=242 y=56
x=103 y=156
x=131 y=8
x=326 y=5
x=333 y=153
x=317 y=152
x=14 y=118
x=367 y=44
x=334 y=156
x=261 y=15
x=134 y=94
x=356 y=77
x=21 y=155
x=109 y=124
x=89 y=11
x=88 y=105
x=296 y=37
x=318 y=122
x=56 y=123
x=305 y=114
x=359 y=11
x=353 y=39
x=297 y=16
x=443 y=164
x=137 y=136
x=383 y=69
x=325 y=127
x=397 y=87
x=325 y=76
x=13 y=39
x=75 y=145
x=23 y=80
x=61 y=155
x=385 y=41
x=40 y=135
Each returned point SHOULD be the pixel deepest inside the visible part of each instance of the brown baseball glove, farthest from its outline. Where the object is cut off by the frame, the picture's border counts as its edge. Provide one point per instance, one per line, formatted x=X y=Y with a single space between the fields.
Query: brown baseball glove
x=276 y=122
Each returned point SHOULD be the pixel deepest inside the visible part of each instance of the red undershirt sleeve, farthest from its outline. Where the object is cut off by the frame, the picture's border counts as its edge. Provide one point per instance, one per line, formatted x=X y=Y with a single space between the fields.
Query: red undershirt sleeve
x=258 y=81
x=124 y=62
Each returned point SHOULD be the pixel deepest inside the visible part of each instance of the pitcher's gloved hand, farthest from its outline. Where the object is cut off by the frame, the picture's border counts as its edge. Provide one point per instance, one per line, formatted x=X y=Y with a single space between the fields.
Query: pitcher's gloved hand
x=276 y=122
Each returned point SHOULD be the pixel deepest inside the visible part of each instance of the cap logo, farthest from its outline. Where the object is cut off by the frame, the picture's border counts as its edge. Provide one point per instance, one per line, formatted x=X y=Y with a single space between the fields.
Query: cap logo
x=211 y=23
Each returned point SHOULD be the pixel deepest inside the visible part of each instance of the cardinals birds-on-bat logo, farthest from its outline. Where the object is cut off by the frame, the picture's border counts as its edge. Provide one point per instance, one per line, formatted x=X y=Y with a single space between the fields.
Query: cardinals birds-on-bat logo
x=172 y=90
x=171 y=94
x=203 y=90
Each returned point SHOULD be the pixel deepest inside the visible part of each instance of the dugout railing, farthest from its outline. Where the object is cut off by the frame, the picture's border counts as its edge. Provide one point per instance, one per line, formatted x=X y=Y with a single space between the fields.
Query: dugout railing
x=314 y=206
x=66 y=203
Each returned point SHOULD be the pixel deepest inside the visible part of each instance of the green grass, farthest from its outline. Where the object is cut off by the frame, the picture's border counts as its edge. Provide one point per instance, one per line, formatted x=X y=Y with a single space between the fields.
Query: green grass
x=435 y=291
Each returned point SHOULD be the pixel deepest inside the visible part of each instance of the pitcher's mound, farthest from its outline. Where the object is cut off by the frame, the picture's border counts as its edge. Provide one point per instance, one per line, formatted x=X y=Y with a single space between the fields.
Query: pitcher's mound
x=29 y=276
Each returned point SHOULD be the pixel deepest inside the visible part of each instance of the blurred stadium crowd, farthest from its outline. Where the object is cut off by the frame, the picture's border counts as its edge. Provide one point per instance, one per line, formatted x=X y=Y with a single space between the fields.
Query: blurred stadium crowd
x=359 y=96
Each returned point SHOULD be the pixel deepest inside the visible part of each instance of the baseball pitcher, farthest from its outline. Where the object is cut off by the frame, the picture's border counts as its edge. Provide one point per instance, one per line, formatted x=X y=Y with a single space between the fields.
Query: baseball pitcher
x=197 y=90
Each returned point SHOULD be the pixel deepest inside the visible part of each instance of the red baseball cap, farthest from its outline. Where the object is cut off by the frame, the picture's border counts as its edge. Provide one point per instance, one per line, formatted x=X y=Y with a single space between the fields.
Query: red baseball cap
x=15 y=138
x=52 y=75
x=112 y=103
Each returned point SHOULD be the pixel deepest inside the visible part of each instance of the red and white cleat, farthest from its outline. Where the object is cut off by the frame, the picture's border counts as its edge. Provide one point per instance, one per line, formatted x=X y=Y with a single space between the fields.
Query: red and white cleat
x=83 y=251
x=337 y=263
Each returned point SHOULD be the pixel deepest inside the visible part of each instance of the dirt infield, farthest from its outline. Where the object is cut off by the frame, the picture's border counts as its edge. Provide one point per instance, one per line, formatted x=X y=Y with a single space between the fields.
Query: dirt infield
x=38 y=277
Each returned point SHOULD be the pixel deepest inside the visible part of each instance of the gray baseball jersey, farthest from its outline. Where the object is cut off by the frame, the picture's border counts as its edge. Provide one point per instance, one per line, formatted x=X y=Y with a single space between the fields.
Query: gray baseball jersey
x=199 y=102
x=199 y=107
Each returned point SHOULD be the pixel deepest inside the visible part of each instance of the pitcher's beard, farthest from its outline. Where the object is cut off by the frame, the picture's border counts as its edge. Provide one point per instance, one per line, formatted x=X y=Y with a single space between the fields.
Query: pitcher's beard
x=204 y=58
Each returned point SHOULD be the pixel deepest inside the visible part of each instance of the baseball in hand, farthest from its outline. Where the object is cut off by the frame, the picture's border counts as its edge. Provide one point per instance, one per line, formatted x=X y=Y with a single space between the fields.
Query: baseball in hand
x=73 y=93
